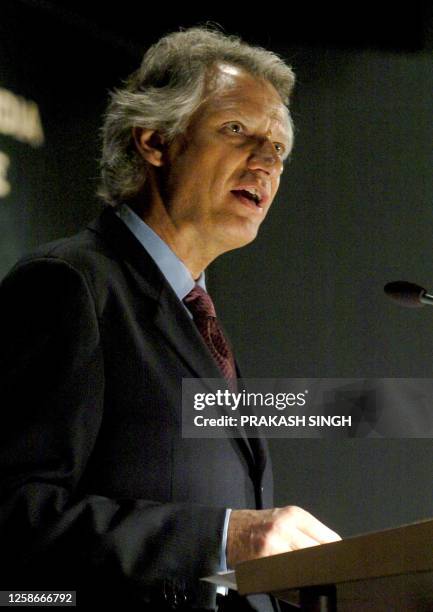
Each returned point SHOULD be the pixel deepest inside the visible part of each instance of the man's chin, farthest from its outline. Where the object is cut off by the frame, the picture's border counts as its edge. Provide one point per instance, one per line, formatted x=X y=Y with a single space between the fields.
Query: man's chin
x=240 y=237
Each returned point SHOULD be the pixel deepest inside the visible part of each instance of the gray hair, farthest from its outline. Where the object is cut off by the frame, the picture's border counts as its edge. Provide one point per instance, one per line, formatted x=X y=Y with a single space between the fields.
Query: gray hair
x=164 y=93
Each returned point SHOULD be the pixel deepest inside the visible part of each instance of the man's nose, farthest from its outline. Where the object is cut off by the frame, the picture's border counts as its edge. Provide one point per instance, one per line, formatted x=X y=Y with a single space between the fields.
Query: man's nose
x=265 y=157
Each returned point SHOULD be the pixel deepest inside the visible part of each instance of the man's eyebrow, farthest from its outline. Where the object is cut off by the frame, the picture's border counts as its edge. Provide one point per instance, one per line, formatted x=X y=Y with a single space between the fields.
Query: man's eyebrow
x=235 y=108
x=223 y=108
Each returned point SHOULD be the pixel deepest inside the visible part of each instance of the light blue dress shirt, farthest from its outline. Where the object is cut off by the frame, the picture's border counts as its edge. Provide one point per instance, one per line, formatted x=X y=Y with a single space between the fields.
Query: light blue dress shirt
x=180 y=280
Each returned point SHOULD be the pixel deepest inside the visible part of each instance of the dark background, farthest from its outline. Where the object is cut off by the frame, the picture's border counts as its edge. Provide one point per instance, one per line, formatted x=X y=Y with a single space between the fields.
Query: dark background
x=354 y=209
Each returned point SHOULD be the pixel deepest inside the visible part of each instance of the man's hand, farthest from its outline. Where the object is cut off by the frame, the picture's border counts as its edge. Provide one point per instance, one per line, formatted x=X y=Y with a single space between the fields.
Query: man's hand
x=260 y=533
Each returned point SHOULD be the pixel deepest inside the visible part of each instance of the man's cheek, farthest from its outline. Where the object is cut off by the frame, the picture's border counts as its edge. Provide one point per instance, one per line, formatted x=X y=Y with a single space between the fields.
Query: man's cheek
x=276 y=186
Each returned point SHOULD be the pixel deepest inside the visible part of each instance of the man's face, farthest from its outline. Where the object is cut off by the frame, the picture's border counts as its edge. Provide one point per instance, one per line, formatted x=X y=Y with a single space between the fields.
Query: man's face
x=224 y=172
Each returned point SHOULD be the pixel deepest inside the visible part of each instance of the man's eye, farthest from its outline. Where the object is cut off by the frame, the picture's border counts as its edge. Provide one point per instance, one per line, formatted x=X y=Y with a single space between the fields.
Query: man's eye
x=279 y=148
x=236 y=128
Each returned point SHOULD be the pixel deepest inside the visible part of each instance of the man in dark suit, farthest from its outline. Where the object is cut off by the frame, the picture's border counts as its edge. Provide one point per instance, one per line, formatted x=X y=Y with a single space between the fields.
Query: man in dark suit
x=99 y=491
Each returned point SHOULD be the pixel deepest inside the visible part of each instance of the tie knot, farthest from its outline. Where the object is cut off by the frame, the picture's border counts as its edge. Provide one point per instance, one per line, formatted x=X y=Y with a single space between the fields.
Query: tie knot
x=199 y=303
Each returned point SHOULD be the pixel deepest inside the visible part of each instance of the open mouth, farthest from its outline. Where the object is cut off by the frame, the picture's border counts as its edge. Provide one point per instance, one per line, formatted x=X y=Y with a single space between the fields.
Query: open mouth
x=249 y=195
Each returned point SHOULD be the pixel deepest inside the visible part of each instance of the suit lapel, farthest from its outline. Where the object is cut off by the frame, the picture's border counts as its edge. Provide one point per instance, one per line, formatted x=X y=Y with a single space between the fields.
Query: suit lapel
x=257 y=444
x=180 y=332
x=184 y=336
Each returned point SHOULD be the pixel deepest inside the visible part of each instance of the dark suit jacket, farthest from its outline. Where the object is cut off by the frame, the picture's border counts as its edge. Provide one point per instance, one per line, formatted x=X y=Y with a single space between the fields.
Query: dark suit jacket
x=99 y=491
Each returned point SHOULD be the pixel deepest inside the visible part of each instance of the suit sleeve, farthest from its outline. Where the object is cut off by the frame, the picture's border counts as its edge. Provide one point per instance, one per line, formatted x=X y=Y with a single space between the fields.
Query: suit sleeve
x=51 y=401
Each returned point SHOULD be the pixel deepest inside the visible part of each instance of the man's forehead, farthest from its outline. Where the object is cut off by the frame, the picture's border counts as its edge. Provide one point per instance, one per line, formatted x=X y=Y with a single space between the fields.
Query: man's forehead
x=228 y=81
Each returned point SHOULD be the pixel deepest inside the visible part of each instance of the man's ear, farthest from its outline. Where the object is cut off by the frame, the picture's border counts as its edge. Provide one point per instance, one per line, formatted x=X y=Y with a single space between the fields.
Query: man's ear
x=150 y=144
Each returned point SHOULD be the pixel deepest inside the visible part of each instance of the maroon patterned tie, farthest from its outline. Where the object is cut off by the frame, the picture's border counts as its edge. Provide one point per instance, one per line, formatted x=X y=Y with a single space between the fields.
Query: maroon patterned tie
x=202 y=309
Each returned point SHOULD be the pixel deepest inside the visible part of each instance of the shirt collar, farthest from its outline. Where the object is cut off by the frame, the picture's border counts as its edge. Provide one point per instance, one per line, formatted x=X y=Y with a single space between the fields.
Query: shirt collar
x=174 y=270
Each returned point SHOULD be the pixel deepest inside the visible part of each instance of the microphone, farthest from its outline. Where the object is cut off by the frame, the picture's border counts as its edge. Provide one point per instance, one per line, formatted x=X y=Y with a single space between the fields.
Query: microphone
x=408 y=294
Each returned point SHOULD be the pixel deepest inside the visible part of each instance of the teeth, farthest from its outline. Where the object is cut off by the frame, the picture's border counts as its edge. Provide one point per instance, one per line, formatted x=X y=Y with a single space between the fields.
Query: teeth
x=255 y=195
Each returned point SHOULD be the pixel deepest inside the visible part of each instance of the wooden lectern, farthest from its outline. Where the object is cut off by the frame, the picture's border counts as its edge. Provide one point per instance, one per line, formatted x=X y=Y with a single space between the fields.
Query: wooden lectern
x=386 y=571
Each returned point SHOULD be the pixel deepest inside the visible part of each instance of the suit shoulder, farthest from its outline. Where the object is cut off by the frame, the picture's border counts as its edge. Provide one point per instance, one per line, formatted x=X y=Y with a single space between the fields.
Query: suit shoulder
x=82 y=259
x=83 y=251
